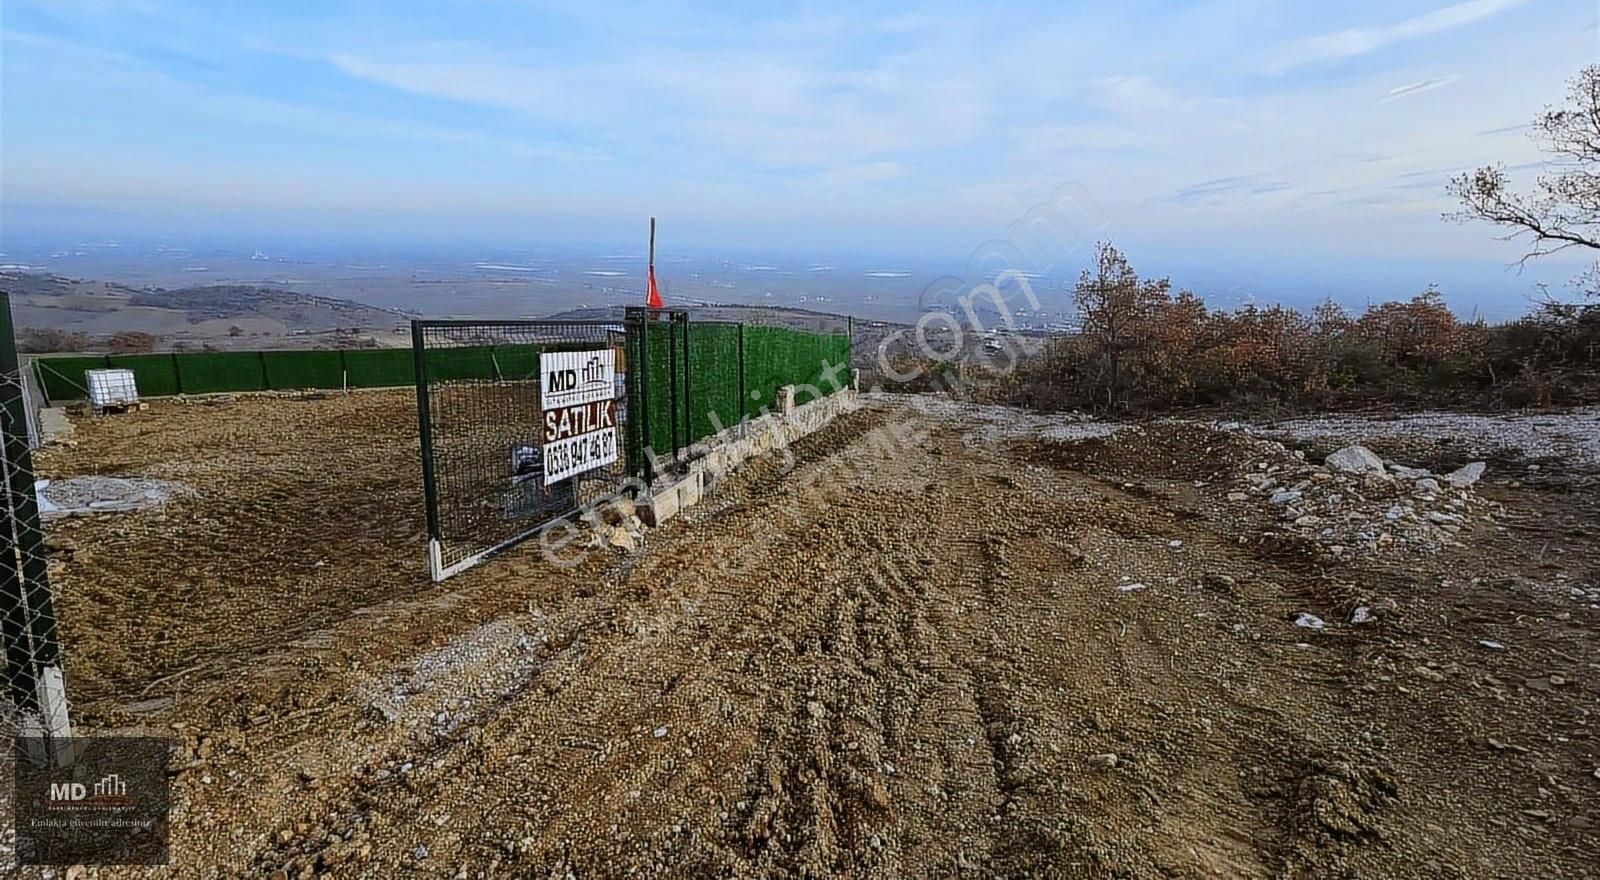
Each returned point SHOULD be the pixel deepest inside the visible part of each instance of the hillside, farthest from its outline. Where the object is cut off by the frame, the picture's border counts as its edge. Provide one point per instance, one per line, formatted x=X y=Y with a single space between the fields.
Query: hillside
x=88 y=313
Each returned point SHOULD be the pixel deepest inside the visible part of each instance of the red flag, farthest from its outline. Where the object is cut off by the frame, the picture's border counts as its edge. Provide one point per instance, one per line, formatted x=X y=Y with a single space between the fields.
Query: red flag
x=652 y=293
x=654 y=298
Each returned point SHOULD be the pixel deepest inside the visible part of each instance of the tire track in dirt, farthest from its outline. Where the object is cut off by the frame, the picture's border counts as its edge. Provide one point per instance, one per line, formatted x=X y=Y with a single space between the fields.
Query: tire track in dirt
x=907 y=656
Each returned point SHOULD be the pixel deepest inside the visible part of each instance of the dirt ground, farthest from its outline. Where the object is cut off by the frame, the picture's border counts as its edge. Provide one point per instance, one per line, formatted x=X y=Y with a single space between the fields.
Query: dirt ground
x=921 y=652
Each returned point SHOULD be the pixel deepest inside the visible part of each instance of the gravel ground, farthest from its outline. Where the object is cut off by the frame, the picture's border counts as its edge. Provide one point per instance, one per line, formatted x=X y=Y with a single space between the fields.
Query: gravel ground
x=1572 y=438
x=949 y=642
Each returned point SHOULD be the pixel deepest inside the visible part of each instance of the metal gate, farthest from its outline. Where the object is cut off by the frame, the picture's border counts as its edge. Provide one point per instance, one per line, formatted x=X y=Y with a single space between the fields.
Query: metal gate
x=516 y=429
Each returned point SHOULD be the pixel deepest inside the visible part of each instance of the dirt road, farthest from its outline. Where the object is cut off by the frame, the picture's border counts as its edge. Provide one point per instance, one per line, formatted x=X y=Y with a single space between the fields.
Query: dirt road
x=930 y=649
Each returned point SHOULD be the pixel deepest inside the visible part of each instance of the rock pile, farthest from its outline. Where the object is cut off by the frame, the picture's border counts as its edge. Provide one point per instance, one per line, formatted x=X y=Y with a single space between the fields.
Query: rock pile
x=82 y=496
x=1355 y=503
x=618 y=526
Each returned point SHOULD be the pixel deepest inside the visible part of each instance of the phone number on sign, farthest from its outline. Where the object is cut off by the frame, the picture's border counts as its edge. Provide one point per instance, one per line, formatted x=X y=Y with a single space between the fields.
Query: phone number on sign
x=564 y=458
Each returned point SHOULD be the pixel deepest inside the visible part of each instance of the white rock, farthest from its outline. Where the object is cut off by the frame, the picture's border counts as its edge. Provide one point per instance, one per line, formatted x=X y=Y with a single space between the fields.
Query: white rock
x=1309 y=621
x=1427 y=486
x=1284 y=496
x=1355 y=460
x=1466 y=475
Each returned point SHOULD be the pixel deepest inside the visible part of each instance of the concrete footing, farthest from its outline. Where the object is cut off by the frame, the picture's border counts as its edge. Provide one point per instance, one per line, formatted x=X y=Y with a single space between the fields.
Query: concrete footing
x=711 y=459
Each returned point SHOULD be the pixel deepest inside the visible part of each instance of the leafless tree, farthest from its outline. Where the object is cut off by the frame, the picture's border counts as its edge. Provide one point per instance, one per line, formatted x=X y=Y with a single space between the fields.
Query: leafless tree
x=1564 y=209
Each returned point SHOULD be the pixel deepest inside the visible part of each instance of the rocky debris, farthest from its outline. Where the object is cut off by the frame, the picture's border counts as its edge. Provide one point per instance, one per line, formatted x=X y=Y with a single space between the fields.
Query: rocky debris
x=1573 y=436
x=1466 y=475
x=1356 y=503
x=1355 y=460
x=1430 y=674
x=82 y=496
x=624 y=531
x=1284 y=496
x=55 y=426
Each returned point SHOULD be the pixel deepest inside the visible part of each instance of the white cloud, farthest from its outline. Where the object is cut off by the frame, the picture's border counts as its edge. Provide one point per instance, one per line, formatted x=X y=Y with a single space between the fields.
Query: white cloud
x=1360 y=41
x=1418 y=88
x=776 y=108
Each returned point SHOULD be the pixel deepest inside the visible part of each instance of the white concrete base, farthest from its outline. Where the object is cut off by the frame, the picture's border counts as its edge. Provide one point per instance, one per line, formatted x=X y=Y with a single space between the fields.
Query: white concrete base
x=716 y=456
x=48 y=732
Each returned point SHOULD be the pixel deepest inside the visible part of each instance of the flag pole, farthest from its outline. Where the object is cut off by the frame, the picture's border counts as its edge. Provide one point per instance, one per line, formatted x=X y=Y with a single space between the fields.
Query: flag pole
x=652 y=294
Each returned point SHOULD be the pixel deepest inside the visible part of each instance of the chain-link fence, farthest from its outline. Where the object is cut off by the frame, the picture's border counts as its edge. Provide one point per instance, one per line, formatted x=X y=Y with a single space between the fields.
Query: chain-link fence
x=36 y=699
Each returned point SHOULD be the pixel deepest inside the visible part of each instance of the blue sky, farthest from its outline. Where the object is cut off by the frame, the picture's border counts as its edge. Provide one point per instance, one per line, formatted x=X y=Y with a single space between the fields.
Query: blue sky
x=1206 y=133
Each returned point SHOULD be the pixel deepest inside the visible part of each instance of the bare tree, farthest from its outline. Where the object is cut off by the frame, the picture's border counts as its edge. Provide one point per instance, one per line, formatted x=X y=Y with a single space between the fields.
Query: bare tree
x=1564 y=209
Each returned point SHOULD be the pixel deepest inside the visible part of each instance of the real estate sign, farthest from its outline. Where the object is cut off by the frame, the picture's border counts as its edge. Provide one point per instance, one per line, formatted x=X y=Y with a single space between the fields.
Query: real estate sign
x=578 y=396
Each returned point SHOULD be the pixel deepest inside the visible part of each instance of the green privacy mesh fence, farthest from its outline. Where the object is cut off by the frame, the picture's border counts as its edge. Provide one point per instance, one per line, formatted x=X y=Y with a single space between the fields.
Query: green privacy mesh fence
x=380 y=368
x=721 y=373
x=211 y=372
x=207 y=372
x=714 y=382
x=698 y=376
x=302 y=369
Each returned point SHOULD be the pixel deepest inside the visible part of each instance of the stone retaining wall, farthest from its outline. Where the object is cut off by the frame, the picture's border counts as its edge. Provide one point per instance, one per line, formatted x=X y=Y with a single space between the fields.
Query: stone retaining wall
x=715 y=457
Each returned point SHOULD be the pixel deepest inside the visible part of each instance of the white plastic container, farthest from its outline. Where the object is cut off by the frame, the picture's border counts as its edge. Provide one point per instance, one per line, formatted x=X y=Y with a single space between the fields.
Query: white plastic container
x=109 y=388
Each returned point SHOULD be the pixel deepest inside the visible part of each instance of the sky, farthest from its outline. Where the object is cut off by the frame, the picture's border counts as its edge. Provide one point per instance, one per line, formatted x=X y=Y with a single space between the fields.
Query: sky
x=1210 y=139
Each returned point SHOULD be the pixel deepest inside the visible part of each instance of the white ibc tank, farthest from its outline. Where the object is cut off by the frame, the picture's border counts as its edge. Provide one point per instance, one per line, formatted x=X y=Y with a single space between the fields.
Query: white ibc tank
x=108 y=388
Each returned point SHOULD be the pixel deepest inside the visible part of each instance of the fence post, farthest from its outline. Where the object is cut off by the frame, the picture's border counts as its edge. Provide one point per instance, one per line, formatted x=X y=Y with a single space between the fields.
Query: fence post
x=688 y=378
x=741 y=371
x=27 y=614
x=672 y=383
x=430 y=490
x=642 y=321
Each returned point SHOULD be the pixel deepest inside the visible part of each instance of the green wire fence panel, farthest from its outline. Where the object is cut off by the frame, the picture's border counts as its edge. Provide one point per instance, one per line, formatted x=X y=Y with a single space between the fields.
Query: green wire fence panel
x=380 y=367
x=508 y=447
x=61 y=378
x=296 y=370
x=156 y=375
x=215 y=371
x=692 y=379
x=713 y=378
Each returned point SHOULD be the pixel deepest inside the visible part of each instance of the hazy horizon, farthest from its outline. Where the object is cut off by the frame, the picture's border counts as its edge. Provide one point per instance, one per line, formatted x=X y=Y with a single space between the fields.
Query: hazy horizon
x=1252 y=151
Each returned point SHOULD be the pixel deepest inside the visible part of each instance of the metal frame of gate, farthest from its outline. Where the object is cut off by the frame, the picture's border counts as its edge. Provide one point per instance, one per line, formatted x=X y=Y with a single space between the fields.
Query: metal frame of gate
x=480 y=418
